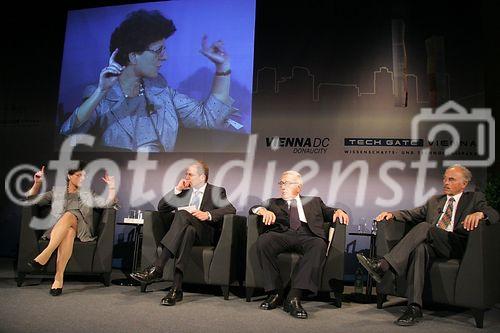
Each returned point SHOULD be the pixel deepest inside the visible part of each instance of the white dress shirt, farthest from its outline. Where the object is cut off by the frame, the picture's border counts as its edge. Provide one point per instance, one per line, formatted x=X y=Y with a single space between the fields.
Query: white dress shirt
x=200 y=192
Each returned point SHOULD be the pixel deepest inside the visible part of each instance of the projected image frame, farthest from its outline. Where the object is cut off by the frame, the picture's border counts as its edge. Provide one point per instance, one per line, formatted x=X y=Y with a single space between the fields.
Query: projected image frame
x=186 y=70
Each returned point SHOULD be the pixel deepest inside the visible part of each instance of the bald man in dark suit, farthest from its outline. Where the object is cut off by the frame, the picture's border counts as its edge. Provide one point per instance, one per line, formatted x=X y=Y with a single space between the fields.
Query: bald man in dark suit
x=443 y=225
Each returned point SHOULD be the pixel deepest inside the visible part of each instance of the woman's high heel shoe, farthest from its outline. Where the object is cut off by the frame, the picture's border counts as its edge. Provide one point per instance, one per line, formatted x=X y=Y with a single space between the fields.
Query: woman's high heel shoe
x=56 y=291
x=36 y=267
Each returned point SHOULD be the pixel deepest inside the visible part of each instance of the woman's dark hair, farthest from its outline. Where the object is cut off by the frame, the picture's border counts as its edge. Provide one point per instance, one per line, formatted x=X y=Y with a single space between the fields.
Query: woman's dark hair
x=137 y=31
x=80 y=167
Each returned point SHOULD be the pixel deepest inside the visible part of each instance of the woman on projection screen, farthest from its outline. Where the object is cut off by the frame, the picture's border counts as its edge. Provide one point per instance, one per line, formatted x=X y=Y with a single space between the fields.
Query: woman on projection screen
x=132 y=107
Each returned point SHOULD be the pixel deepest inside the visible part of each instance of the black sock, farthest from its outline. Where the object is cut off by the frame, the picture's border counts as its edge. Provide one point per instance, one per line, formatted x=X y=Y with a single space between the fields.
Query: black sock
x=178 y=275
x=163 y=258
x=416 y=304
x=294 y=292
x=273 y=292
x=384 y=264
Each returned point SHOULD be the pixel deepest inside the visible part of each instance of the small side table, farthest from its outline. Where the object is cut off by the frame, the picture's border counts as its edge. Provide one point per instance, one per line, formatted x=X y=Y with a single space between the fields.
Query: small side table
x=137 y=243
x=367 y=297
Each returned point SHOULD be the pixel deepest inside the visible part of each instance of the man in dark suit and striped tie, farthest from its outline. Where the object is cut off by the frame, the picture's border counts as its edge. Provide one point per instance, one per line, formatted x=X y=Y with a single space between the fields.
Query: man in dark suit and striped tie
x=443 y=225
x=293 y=222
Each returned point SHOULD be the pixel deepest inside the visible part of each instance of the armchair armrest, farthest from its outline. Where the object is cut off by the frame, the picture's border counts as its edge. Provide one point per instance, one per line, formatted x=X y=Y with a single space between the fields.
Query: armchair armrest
x=252 y=230
x=389 y=233
x=103 y=255
x=252 y=277
x=477 y=281
x=230 y=249
x=155 y=226
x=334 y=266
x=28 y=242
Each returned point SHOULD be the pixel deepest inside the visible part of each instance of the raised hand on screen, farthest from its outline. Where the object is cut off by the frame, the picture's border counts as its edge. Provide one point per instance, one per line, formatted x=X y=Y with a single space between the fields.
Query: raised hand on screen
x=215 y=53
x=110 y=73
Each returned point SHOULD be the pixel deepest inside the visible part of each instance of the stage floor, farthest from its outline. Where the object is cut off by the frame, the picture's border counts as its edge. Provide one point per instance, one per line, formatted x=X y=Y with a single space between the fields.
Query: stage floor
x=88 y=306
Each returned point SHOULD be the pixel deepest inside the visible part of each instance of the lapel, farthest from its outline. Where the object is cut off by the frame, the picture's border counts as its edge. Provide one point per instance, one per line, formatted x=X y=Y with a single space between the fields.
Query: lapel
x=462 y=204
x=118 y=108
x=440 y=209
x=205 y=200
x=153 y=89
x=185 y=197
x=282 y=205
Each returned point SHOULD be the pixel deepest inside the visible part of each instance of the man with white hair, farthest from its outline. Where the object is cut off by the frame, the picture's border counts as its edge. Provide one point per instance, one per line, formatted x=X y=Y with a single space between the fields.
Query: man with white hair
x=293 y=222
x=442 y=227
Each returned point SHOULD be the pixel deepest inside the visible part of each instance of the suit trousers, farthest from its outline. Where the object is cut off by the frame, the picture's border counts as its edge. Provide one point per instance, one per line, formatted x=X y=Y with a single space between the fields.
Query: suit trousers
x=186 y=231
x=307 y=272
x=414 y=253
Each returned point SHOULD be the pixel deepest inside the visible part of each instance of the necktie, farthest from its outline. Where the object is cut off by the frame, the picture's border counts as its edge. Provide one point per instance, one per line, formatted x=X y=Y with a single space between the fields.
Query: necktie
x=293 y=215
x=445 y=220
x=195 y=201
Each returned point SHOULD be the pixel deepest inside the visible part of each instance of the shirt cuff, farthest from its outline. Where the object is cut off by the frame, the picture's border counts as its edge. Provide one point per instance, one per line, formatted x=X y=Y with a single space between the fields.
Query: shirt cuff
x=209 y=216
x=176 y=192
x=255 y=210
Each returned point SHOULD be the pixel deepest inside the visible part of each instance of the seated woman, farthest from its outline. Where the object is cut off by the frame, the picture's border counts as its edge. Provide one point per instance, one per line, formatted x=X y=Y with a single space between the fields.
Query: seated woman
x=72 y=218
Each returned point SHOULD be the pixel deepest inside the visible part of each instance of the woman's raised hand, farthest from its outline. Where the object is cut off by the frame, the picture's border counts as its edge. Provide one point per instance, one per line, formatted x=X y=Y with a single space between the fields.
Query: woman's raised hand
x=110 y=73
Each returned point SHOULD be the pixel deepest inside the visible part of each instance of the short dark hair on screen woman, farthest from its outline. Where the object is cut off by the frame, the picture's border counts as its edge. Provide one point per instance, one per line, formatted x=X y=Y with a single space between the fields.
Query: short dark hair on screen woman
x=137 y=31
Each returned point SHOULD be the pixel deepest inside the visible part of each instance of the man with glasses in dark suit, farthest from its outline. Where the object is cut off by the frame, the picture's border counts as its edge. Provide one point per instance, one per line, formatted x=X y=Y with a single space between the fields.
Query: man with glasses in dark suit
x=293 y=222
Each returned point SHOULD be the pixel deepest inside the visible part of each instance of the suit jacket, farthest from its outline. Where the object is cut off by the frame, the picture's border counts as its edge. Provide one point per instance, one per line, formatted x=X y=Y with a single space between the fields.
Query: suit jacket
x=315 y=210
x=115 y=126
x=470 y=202
x=214 y=201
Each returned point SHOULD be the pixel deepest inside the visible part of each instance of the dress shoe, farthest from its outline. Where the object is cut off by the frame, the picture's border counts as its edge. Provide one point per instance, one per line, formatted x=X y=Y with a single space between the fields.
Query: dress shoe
x=272 y=302
x=56 y=291
x=36 y=267
x=412 y=315
x=373 y=267
x=149 y=275
x=294 y=308
x=174 y=295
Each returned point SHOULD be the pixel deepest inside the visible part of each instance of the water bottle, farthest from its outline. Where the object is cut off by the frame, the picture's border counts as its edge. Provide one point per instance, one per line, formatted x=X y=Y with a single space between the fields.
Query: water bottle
x=374 y=227
x=358 y=281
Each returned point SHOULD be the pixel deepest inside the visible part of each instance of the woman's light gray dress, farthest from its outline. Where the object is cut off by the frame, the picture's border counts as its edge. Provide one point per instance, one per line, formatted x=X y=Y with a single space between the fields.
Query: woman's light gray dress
x=80 y=204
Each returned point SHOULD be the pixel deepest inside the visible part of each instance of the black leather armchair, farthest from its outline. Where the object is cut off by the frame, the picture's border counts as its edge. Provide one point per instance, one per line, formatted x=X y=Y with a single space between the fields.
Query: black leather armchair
x=88 y=258
x=333 y=272
x=219 y=265
x=471 y=282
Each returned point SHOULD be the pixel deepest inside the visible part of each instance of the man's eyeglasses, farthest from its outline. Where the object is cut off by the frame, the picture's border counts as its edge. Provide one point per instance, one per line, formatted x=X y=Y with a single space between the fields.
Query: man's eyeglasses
x=158 y=52
x=282 y=183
